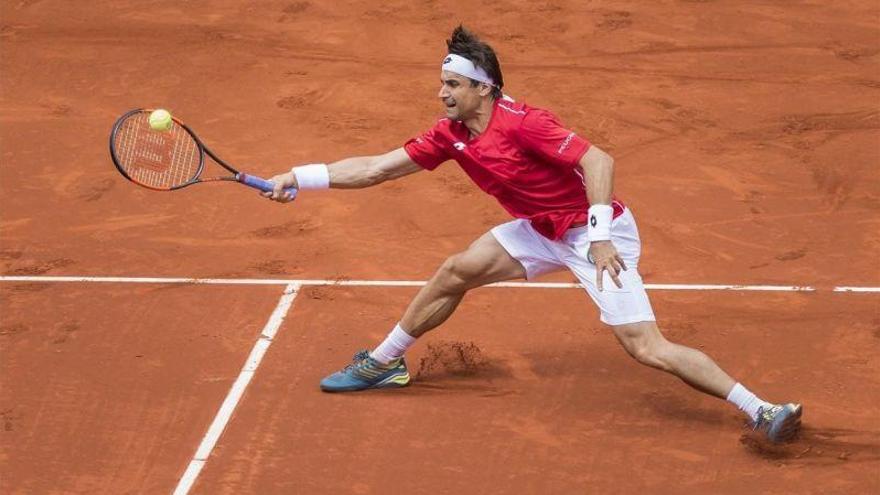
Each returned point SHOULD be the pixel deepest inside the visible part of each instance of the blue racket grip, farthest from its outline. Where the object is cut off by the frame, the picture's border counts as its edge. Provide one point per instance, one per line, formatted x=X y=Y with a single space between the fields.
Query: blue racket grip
x=263 y=184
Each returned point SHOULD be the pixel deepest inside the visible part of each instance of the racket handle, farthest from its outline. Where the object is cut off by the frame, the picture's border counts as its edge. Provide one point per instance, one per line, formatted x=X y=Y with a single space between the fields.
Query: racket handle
x=262 y=184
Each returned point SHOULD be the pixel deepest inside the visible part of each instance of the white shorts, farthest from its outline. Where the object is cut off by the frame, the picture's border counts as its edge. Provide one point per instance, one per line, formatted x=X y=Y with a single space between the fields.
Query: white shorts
x=539 y=255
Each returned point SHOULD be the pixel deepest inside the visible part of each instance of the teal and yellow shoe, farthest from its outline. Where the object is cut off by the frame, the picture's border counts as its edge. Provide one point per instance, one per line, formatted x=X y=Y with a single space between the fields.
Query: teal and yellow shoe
x=780 y=423
x=365 y=372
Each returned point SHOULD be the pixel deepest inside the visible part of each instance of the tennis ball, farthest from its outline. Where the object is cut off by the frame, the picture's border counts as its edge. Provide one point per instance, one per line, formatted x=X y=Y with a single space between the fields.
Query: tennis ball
x=160 y=120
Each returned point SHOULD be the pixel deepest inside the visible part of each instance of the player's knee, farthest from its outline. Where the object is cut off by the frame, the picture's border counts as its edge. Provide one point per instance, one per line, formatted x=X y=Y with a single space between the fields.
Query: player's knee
x=650 y=354
x=454 y=275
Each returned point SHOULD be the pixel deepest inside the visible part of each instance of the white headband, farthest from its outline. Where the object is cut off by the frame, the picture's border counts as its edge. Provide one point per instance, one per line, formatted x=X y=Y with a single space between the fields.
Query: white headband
x=464 y=67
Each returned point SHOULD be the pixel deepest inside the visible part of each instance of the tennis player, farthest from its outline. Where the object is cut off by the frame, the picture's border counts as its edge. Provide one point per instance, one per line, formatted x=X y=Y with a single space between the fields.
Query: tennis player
x=558 y=187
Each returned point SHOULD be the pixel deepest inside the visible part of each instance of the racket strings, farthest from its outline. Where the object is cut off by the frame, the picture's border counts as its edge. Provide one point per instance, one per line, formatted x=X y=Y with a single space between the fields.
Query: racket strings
x=160 y=160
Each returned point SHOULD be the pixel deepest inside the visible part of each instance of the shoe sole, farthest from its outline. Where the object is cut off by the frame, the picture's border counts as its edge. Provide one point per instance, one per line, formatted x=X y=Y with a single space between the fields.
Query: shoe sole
x=791 y=423
x=393 y=381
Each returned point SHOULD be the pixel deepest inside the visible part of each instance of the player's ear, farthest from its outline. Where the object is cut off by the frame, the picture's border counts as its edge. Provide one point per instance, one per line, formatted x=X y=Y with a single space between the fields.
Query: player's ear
x=485 y=89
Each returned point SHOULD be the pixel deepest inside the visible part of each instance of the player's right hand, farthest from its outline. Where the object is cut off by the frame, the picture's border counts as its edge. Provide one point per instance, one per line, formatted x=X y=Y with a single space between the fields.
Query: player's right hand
x=282 y=182
x=606 y=258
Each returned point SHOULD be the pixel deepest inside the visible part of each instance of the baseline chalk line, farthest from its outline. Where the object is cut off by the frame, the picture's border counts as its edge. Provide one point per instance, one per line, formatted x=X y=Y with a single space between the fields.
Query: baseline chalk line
x=235 y=393
x=857 y=289
x=401 y=283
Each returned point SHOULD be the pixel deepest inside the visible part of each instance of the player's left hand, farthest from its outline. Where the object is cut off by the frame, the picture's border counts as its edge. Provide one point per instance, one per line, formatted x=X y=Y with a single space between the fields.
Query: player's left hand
x=606 y=258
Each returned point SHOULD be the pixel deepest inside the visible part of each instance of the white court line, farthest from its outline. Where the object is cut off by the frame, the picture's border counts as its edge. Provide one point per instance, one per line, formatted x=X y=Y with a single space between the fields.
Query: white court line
x=238 y=387
x=403 y=283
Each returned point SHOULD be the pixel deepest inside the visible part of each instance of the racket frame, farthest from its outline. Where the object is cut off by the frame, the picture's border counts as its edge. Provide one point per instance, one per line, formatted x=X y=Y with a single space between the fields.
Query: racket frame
x=248 y=180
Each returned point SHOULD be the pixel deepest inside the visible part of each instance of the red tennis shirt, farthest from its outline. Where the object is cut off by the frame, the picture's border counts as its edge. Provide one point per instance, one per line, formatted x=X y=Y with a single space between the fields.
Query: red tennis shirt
x=525 y=158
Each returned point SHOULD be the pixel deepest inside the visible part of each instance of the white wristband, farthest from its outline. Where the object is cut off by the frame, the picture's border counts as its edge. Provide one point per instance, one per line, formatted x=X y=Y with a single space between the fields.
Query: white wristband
x=600 y=222
x=314 y=176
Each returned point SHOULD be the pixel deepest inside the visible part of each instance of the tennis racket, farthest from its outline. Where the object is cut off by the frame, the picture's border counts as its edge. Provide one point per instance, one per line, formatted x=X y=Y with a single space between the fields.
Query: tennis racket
x=168 y=160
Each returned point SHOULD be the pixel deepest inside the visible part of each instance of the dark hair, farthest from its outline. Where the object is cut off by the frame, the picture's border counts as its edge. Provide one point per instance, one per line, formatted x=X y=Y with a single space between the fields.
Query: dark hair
x=467 y=45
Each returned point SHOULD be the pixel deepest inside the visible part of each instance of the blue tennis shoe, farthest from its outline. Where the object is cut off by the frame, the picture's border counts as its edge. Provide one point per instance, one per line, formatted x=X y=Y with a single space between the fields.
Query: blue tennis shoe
x=365 y=372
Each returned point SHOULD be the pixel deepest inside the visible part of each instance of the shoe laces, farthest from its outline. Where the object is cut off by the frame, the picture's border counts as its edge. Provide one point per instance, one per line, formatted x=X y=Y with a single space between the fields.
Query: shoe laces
x=766 y=415
x=358 y=359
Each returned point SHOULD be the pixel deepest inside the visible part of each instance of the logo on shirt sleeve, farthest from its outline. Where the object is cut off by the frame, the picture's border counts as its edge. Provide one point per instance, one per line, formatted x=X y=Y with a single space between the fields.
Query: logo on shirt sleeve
x=565 y=144
x=459 y=145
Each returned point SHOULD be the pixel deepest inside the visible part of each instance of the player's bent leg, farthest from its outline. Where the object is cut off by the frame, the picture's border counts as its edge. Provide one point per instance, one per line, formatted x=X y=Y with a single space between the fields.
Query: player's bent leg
x=644 y=342
x=484 y=262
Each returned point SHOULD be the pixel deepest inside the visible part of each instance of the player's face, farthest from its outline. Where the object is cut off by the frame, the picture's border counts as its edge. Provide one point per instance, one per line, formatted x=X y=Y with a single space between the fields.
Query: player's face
x=460 y=99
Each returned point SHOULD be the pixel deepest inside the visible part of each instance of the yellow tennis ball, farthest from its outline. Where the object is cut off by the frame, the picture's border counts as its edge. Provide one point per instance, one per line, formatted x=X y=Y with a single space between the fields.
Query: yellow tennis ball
x=160 y=120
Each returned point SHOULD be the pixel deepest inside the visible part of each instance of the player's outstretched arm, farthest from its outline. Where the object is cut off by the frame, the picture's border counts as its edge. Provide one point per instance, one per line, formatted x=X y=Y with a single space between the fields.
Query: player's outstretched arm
x=350 y=173
x=360 y=172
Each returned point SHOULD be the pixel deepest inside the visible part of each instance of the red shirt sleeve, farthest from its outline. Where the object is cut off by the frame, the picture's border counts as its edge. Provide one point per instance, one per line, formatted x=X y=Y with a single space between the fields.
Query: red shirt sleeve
x=541 y=133
x=427 y=150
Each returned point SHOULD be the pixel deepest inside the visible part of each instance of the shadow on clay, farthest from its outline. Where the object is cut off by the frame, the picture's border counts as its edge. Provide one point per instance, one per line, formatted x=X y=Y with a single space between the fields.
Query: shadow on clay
x=676 y=408
x=818 y=446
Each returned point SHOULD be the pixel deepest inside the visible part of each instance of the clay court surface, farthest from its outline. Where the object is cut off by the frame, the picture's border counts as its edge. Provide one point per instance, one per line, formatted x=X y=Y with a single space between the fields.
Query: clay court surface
x=747 y=143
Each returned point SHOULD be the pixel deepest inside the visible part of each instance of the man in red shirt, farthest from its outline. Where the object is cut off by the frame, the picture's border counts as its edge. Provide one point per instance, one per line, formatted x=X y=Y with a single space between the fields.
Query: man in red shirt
x=558 y=187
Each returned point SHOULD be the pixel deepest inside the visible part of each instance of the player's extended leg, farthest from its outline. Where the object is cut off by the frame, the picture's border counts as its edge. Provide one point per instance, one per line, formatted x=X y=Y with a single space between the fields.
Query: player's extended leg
x=484 y=262
x=645 y=343
x=628 y=311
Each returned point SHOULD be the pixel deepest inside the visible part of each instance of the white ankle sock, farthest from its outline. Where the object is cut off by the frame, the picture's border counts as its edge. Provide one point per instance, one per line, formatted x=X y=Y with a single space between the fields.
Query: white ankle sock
x=394 y=345
x=746 y=401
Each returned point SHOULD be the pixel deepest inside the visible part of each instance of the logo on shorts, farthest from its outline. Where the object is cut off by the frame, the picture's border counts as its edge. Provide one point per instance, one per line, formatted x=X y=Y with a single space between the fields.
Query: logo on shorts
x=593 y=220
x=459 y=145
